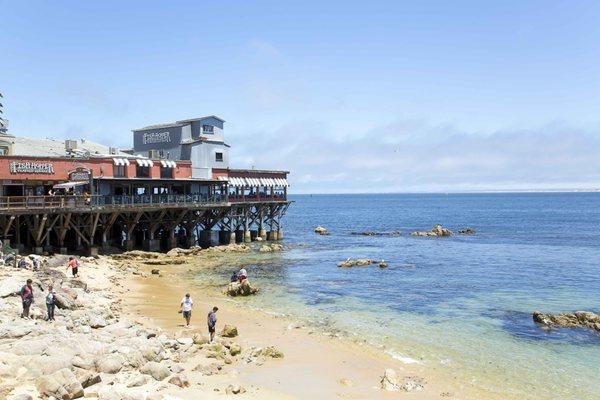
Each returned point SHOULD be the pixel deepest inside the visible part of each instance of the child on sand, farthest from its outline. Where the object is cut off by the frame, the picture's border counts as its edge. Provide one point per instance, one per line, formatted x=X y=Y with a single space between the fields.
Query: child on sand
x=186 y=308
x=74 y=265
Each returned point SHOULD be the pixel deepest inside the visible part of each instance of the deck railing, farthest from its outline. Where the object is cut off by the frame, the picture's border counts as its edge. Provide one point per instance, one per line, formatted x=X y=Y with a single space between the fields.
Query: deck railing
x=123 y=201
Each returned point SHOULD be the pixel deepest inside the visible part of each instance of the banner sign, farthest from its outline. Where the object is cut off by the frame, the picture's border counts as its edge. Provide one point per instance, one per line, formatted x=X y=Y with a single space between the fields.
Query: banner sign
x=80 y=174
x=31 y=168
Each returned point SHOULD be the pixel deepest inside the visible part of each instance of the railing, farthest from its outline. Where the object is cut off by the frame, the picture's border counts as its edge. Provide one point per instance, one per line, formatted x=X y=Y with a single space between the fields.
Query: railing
x=82 y=202
x=99 y=201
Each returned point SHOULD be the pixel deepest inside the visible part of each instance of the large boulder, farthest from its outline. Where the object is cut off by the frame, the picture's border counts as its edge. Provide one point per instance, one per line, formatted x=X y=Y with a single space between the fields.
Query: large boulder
x=360 y=262
x=229 y=331
x=319 y=230
x=109 y=364
x=578 y=319
x=240 y=289
x=10 y=286
x=64 y=302
x=179 y=380
x=437 y=231
x=62 y=384
x=156 y=370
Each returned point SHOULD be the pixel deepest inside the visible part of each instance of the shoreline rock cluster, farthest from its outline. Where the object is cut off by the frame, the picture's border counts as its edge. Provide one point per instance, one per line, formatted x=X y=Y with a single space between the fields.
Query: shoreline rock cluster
x=94 y=350
x=577 y=319
x=244 y=288
x=438 y=231
x=361 y=262
x=374 y=233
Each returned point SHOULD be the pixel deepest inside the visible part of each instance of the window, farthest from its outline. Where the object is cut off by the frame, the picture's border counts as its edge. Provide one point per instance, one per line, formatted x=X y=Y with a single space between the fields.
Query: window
x=219 y=157
x=166 y=173
x=3 y=151
x=142 y=172
x=119 y=171
x=207 y=129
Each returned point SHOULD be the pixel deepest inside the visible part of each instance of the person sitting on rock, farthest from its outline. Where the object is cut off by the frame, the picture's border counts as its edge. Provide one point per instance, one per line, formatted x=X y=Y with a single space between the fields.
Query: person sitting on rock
x=211 y=319
x=23 y=263
x=242 y=275
x=27 y=298
x=234 y=277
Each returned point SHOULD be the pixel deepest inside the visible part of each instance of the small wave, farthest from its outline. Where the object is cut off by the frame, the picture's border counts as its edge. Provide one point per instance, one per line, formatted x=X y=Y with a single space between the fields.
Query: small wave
x=402 y=358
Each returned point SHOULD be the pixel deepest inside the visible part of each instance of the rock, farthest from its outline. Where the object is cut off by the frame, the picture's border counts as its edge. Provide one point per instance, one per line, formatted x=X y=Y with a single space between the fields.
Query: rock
x=345 y=382
x=210 y=369
x=578 y=319
x=437 y=230
x=155 y=271
x=235 y=349
x=185 y=341
x=229 y=331
x=389 y=381
x=83 y=362
x=412 y=384
x=265 y=249
x=234 y=389
x=109 y=364
x=321 y=231
x=88 y=379
x=241 y=289
x=198 y=339
x=64 y=302
x=10 y=286
x=179 y=380
x=22 y=396
x=14 y=331
x=61 y=384
x=372 y=233
x=269 y=351
x=136 y=380
x=466 y=231
x=383 y=264
x=360 y=262
x=155 y=370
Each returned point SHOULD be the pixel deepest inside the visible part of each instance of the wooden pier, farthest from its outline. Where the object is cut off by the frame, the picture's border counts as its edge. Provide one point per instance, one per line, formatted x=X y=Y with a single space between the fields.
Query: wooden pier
x=149 y=222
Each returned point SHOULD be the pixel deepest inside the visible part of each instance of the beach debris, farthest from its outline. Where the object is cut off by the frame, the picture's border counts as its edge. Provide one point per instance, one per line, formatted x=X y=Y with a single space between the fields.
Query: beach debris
x=436 y=231
x=235 y=349
x=321 y=231
x=240 y=289
x=345 y=382
x=389 y=381
x=359 y=262
x=578 y=319
x=155 y=271
x=374 y=233
x=229 y=331
x=466 y=231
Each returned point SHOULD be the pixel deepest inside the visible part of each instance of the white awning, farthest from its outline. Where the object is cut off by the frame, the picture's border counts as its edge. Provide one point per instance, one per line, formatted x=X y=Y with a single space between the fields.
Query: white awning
x=236 y=182
x=168 y=164
x=120 y=161
x=144 y=162
x=281 y=182
x=69 y=185
x=223 y=178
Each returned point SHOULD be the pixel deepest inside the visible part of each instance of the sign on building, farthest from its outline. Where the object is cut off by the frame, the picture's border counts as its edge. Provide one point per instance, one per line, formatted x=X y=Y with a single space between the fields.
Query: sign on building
x=80 y=174
x=157 y=137
x=17 y=167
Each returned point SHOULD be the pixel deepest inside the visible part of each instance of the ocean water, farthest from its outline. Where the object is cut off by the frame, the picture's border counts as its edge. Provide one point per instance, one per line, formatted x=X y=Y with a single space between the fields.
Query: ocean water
x=461 y=304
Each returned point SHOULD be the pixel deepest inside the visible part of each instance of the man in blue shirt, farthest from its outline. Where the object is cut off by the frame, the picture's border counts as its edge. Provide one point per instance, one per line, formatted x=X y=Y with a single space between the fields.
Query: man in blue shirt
x=212 y=322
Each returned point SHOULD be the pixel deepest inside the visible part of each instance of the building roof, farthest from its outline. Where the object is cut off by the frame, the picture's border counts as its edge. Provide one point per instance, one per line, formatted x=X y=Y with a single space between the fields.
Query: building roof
x=48 y=147
x=259 y=171
x=160 y=126
x=201 y=118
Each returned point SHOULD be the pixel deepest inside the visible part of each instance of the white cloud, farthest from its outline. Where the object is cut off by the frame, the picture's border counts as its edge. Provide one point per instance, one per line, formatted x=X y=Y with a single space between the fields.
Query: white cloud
x=416 y=156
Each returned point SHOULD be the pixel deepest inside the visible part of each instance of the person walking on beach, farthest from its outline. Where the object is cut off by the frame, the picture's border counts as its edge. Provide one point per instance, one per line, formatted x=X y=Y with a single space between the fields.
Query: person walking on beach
x=50 y=302
x=74 y=265
x=27 y=298
x=212 y=322
x=186 y=308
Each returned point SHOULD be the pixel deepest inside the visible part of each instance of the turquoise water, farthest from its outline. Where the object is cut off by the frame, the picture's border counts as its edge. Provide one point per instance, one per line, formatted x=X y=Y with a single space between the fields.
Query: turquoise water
x=462 y=303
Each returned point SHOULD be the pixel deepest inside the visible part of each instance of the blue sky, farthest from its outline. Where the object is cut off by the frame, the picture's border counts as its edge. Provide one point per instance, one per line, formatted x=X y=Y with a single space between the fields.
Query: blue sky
x=380 y=96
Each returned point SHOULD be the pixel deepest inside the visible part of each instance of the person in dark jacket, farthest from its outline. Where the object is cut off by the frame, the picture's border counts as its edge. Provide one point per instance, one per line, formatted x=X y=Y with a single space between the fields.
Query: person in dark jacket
x=212 y=322
x=27 y=298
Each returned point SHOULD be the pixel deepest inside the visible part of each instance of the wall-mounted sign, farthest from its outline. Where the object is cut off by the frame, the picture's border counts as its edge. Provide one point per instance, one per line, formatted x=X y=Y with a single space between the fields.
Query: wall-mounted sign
x=157 y=137
x=17 y=167
x=80 y=174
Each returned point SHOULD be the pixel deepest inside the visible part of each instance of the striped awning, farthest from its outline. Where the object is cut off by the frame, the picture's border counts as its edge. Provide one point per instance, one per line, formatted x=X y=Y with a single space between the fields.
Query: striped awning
x=120 y=161
x=144 y=162
x=168 y=164
x=223 y=178
x=247 y=182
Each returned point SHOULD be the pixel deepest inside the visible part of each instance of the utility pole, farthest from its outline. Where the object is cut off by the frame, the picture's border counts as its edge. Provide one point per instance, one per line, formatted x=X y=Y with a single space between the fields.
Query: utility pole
x=3 y=122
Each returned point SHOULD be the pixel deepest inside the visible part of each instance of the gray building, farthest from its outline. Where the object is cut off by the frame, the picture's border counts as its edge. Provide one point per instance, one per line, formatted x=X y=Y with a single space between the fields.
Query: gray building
x=199 y=140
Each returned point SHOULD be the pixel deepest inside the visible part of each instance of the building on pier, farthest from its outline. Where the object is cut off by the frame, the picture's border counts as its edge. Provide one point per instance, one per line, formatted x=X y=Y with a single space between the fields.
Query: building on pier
x=174 y=188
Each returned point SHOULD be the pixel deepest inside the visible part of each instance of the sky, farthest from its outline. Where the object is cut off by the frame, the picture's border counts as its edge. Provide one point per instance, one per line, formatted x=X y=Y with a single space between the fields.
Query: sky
x=379 y=96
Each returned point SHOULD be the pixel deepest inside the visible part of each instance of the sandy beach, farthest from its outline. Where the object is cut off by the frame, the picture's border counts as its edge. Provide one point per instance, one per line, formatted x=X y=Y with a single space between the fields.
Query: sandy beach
x=131 y=343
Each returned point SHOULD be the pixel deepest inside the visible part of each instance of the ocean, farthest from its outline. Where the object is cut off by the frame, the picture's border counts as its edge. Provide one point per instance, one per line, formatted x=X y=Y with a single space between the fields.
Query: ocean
x=461 y=303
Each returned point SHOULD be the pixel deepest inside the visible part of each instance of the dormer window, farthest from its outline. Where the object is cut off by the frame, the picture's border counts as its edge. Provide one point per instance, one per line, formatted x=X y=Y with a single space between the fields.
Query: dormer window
x=219 y=157
x=208 y=129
